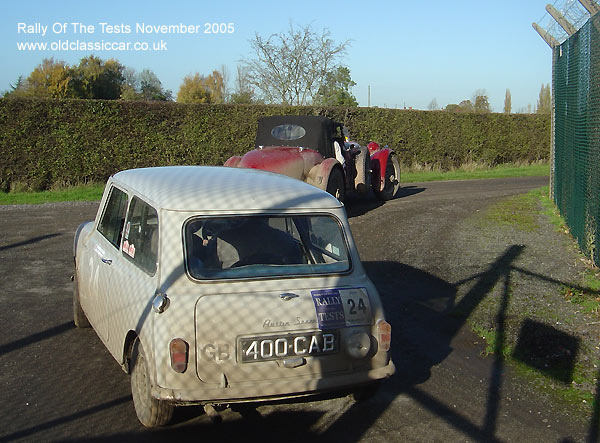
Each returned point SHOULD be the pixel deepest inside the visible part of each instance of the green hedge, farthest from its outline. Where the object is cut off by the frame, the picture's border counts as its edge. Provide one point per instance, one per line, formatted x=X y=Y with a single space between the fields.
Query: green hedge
x=48 y=142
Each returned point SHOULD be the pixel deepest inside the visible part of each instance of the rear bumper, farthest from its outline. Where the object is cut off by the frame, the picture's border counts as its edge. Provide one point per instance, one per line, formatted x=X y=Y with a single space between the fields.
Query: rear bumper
x=272 y=389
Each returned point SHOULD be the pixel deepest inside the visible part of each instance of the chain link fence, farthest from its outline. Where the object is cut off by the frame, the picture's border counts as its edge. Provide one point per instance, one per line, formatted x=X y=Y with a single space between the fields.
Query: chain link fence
x=576 y=94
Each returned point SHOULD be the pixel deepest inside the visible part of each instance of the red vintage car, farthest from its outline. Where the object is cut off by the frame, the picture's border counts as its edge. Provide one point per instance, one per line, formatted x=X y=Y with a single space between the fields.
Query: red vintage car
x=314 y=149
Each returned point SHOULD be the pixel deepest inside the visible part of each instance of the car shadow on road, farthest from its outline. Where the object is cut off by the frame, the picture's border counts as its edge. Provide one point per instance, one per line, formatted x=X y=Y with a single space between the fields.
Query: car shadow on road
x=417 y=304
x=26 y=433
x=426 y=315
x=357 y=206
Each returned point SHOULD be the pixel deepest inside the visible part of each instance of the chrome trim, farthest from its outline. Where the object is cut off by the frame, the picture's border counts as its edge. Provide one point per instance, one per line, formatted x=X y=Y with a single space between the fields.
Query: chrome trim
x=286 y=296
x=160 y=303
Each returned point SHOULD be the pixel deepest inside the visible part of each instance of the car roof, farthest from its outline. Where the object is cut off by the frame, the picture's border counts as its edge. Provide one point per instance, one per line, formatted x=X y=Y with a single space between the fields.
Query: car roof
x=319 y=133
x=218 y=188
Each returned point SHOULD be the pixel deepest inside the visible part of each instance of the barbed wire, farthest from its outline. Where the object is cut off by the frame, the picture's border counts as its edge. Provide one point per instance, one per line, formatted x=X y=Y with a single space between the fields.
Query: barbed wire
x=572 y=10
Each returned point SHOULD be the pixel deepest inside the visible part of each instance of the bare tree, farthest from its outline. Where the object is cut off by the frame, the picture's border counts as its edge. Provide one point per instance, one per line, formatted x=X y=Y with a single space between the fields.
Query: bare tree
x=225 y=76
x=243 y=93
x=289 y=68
x=433 y=105
x=544 y=104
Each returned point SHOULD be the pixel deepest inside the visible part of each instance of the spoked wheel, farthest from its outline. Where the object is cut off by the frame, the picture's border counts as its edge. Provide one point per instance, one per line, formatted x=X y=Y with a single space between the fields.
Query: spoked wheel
x=392 y=180
x=151 y=412
x=335 y=184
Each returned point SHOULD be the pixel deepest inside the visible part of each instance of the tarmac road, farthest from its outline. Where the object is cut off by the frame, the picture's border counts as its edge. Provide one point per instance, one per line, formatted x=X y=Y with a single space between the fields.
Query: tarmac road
x=59 y=383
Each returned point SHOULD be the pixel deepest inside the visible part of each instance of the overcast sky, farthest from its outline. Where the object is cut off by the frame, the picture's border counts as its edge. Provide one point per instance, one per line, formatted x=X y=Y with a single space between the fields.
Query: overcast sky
x=408 y=52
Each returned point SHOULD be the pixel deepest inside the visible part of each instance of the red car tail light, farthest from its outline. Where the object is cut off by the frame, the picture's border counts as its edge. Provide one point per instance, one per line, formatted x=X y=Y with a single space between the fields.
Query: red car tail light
x=384 y=330
x=373 y=147
x=179 y=354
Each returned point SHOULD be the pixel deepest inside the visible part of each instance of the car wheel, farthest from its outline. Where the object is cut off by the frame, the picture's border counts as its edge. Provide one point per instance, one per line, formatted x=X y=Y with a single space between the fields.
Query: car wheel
x=335 y=184
x=362 y=182
x=79 y=317
x=392 y=180
x=150 y=411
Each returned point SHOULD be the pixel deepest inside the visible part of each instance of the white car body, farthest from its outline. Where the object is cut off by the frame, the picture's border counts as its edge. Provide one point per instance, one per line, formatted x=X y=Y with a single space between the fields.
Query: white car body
x=247 y=337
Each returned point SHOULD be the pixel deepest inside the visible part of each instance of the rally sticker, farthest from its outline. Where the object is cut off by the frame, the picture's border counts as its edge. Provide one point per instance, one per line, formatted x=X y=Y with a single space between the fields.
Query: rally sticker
x=338 y=308
x=129 y=249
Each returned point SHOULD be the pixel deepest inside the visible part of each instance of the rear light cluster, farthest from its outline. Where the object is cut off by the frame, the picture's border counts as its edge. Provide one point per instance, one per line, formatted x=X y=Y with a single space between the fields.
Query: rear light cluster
x=384 y=330
x=179 y=354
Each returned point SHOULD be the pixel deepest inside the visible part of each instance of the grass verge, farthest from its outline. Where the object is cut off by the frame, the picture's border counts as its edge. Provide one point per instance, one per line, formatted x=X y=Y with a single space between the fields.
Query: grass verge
x=543 y=352
x=91 y=192
x=477 y=172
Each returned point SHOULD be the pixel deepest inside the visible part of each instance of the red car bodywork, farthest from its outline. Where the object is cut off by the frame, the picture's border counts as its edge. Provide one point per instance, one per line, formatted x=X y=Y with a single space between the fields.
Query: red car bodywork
x=301 y=163
x=313 y=167
x=379 y=161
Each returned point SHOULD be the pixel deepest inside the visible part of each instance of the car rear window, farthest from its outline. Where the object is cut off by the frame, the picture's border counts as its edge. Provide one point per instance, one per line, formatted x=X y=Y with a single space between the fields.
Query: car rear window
x=288 y=132
x=264 y=246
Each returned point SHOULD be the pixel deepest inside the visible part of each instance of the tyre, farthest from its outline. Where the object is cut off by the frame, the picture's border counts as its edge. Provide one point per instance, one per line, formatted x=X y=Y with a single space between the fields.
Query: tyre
x=79 y=317
x=150 y=411
x=362 y=182
x=392 y=180
x=335 y=184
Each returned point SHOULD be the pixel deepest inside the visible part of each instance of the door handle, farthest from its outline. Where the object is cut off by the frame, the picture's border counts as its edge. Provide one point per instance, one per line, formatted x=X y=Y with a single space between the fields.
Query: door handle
x=108 y=261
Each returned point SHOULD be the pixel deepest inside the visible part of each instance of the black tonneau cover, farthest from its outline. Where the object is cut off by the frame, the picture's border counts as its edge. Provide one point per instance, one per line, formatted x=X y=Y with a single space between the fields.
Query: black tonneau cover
x=320 y=132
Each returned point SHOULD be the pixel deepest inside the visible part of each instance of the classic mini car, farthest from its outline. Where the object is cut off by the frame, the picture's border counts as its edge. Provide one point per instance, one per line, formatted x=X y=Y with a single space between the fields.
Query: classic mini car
x=314 y=149
x=214 y=286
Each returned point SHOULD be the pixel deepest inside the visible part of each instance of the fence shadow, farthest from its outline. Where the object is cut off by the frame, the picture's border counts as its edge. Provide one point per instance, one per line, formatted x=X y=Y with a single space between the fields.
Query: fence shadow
x=426 y=316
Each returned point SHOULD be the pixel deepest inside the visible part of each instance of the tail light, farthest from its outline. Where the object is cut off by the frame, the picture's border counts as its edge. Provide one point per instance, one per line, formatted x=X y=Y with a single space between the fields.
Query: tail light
x=385 y=335
x=179 y=354
x=373 y=147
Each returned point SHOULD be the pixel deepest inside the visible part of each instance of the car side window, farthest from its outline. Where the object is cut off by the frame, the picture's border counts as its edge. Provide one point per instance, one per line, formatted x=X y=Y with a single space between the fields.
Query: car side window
x=140 y=243
x=113 y=219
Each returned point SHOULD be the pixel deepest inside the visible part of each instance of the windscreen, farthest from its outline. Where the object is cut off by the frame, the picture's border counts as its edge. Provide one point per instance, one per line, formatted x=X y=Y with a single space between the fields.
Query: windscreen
x=264 y=246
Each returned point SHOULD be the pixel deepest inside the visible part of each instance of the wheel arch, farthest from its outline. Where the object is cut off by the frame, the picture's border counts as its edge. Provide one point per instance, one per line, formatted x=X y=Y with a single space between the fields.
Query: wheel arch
x=319 y=174
x=379 y=162
x=233 y=161
x=130 y=339
x=76 y=239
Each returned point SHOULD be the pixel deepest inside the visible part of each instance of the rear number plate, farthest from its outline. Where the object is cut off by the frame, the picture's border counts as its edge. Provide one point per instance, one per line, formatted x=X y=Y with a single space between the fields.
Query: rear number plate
x=256 y=349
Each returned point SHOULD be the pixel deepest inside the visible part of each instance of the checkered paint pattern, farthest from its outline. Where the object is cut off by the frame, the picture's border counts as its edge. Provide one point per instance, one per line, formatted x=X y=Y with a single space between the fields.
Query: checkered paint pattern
x=214 y=316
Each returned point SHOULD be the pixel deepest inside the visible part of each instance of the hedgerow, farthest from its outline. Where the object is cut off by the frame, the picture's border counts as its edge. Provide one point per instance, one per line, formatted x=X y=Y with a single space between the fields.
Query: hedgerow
x=49 y=142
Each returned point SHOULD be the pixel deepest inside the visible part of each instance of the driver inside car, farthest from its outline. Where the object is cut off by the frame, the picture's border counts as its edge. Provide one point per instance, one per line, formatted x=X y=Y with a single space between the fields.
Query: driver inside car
x=254 y=242
x=239 y=241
